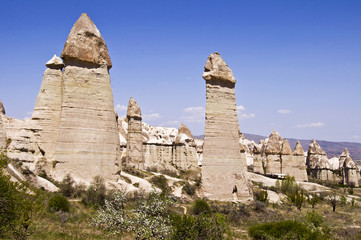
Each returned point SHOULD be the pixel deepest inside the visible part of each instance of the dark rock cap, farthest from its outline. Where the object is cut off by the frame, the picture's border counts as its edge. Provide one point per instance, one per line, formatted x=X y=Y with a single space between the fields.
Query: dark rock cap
x=315 y=148
x=85 y=43
x=274 y=143
x=2 y=109
x=298 y=151
x=286 y=148
x=217 y=69
x=133 y=110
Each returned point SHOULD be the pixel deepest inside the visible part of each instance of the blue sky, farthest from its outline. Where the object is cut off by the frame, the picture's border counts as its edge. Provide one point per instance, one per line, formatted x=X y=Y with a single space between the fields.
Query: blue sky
x=297 y=63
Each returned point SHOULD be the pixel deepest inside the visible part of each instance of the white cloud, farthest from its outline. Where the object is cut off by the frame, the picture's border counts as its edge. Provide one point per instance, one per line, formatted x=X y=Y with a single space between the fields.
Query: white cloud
x=247 y=115
x=194 y=114
x=121 y=110
x=172 y=123
x=318 y=124
x=240 y=108
x=151 y=116
x=284 y=111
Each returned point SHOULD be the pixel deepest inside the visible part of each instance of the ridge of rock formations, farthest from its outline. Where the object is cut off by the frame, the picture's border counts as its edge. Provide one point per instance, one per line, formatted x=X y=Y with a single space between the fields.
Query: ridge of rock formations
x=88 y=136
x=135 y=156
x=47 y=110
x=223 y=173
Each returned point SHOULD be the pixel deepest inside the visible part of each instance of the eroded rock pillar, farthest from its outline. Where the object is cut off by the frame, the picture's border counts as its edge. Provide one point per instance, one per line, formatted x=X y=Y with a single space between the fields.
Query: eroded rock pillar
x=222 y=169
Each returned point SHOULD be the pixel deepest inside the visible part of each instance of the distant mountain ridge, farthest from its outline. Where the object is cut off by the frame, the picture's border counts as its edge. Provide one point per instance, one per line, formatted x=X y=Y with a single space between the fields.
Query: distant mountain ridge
x=333 y=149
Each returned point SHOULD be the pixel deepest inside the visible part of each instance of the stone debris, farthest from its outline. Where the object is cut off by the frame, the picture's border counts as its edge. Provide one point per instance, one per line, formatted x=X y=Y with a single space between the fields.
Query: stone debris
x=222 y=168
x=135 y=156
x=88 y=136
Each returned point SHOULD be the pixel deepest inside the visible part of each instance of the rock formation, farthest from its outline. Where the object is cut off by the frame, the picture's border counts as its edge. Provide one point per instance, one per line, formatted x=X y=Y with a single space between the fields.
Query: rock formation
x=185 y=153
x=273 y=154
x=2 y=109
x=222 y=169
x=47 y=110
x=2 y=129
x=343 y=157
x=350 y=171
x=88 y=136
x=258 y=158
x=293 y=163
x=135 y=156
x=314 y=154
x=322 y=170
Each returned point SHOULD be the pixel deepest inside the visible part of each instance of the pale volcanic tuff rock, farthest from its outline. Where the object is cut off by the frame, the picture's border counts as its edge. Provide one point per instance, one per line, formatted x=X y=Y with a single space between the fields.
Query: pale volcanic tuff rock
x=314 y=154
x=2 y=109
x=350 y=173
x=47 y=110
x=2 y=134
x=135 y=156
x=343 y=157
x=294 y=163
x=185 y=152
x=86 y=44
x=222 y=170
x=88 y=140
x=273 y=153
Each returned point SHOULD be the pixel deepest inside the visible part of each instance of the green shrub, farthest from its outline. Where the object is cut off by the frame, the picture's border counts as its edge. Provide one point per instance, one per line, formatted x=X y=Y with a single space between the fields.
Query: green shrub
x=200 y=206
x=58 y=203
x=285 y=230
x=189 y=189
x=314 y=218
x=261 y=195
x=96 y=193
x=66 y=186
x=161 y=182
x=200 y=227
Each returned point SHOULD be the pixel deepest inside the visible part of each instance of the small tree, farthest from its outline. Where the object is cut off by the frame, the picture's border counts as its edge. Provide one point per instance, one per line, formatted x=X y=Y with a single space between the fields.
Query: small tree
x=333 y=201
x=313 y=199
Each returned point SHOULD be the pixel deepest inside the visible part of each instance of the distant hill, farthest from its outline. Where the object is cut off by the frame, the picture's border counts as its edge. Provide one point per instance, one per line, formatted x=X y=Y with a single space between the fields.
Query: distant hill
x=333 y=149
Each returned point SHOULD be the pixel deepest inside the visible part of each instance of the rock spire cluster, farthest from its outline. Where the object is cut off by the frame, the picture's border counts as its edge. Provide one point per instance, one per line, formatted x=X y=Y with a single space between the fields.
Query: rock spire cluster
x=222 y=170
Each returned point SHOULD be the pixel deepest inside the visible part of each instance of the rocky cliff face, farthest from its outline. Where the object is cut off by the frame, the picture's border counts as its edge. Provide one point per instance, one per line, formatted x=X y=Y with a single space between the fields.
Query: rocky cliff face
x=2 y=129
x=223 y=174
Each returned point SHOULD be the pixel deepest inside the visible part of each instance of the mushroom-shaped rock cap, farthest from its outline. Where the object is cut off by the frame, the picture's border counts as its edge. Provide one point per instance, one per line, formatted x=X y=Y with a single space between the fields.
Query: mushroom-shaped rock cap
x=274 y=143
x=184 y=136
x=85 y=43
x=133 y=110
x=315 y=148
x=2 y=109
x=217 y=69
x=183 y=129
x=298 y=151
x=349 y=163
x=55 y=62
x=286 y=148
x=345 y=153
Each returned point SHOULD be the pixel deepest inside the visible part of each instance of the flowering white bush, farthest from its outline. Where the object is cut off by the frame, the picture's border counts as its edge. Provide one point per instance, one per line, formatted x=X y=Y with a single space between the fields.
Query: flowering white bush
x=148 y=220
